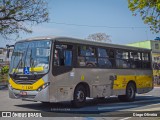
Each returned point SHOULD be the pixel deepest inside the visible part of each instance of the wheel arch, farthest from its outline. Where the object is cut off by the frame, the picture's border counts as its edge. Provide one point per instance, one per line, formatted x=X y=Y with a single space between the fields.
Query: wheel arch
x=86 y=86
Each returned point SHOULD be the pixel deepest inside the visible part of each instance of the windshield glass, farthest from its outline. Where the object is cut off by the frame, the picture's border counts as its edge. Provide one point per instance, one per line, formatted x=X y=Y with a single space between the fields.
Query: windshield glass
x=30 y=57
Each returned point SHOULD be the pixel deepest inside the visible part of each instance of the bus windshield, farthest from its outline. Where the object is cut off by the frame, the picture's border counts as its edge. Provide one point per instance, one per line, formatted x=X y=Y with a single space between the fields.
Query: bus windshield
x=30 y=57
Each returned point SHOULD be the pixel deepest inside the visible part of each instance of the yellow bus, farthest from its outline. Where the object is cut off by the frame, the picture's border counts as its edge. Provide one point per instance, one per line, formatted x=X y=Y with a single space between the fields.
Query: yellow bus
x=56 y=69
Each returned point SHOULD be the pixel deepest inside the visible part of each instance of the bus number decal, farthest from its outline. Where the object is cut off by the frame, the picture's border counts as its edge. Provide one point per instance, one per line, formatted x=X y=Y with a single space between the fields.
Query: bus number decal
x=29 y=87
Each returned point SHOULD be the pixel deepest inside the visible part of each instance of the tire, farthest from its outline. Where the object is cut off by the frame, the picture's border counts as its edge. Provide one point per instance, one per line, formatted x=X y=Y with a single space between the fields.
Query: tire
x=130 y=93
x=79 y=97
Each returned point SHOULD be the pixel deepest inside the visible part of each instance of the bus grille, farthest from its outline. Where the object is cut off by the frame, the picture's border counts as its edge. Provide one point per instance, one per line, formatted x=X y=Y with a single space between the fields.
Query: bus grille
x=25 y=81
x=27 y=96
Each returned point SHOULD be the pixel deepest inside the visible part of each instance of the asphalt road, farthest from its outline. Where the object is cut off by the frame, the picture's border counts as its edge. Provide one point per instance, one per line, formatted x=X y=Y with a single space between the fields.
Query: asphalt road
x=110 y=108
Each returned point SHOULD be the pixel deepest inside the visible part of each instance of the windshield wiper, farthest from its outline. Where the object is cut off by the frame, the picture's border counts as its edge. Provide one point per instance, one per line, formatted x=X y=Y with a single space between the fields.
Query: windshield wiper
x=14 y=73
x=23 y=54
x=31 y=60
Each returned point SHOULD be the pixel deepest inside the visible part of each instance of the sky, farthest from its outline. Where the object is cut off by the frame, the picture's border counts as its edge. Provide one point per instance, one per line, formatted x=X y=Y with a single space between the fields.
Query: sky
x=79 y=18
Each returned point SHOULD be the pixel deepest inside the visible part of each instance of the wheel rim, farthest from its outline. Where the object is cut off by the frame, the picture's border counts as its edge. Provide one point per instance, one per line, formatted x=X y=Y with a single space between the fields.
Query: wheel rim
x=80 y=96
x=130 y=92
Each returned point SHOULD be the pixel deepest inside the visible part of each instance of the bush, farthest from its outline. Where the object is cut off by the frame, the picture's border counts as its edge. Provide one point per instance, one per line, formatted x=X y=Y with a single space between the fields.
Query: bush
x=4 y=70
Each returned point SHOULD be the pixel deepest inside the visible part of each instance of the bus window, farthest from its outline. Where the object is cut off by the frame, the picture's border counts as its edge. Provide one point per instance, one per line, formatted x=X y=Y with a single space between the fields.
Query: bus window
x=104 y=56
x=135 y=60
x=68 y=58
x=145 y=60
x=103 y=52
x=145 y=56
x=63 y=55
x=135 y=56
x=87 y=56
x=122 y=59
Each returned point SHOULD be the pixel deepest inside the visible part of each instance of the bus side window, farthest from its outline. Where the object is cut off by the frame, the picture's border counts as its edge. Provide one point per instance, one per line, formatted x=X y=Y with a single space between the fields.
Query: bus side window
x=104 y=56
x=135 y=59
x=68 y=58
x=63 y=55
x=87 y=56
x=122 y=59
x=146 y=60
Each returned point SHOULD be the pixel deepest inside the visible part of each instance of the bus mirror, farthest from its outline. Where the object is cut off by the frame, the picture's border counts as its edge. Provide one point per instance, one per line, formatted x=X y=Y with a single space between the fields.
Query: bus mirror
x=8 y=51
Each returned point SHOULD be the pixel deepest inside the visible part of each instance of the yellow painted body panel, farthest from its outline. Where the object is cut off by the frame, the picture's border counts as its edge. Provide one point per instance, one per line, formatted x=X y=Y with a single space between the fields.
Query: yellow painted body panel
x=33 y=69
x=34 y=86
x=37 y=69
x=141 y=81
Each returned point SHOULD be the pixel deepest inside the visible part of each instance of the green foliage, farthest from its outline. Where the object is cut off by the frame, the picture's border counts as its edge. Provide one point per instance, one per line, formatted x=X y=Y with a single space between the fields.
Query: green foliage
x=149 y=11
x=4 y=70
x=17 y=15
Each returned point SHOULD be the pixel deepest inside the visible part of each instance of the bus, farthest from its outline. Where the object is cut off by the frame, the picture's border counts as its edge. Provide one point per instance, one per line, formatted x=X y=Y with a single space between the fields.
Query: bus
x=56 y=69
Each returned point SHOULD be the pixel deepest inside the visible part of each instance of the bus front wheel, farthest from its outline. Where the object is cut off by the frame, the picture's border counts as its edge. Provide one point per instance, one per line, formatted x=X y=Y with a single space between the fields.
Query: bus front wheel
x=130 y=93
x=79 y=97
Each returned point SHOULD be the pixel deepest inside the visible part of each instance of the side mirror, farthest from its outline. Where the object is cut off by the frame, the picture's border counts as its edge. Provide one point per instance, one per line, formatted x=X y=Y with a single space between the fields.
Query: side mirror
x=8 y=50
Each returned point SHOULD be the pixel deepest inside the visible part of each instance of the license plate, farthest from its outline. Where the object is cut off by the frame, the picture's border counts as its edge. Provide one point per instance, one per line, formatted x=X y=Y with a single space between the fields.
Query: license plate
x=23 y=93
x=27 y=87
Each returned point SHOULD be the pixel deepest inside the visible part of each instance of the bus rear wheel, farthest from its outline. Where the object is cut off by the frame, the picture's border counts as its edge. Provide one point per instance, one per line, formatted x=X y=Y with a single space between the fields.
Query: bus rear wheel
x=130 y=93
x=79 y=97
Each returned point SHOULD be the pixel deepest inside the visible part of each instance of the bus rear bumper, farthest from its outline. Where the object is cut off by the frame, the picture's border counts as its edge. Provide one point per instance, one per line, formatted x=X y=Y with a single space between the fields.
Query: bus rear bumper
x=42 y=95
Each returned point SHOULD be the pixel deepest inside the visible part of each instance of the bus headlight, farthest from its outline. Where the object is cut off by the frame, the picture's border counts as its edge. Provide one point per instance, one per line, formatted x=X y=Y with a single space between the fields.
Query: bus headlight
x=43 y=86
x=10 y=86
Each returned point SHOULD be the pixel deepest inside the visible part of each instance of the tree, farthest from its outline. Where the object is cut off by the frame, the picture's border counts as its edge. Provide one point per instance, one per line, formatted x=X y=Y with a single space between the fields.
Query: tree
x=149 y=11
x=101 y=37
x=4 y=70
x=16 y=15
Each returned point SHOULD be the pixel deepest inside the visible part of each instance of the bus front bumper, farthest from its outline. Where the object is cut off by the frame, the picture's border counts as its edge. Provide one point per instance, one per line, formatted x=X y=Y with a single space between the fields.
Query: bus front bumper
x=34 y=95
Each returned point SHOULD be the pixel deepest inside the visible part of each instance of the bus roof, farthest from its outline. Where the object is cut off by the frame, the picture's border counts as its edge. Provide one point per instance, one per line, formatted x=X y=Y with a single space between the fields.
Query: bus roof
x=84 y=41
